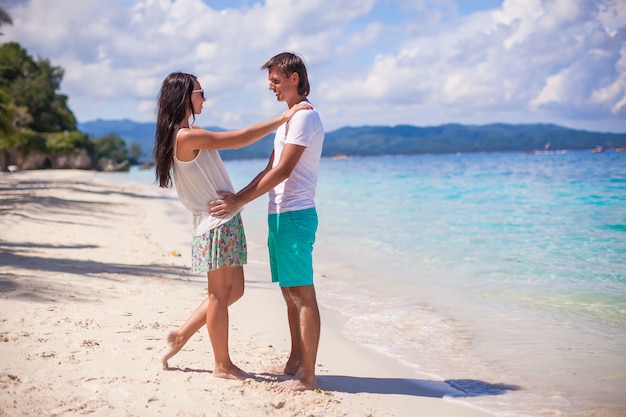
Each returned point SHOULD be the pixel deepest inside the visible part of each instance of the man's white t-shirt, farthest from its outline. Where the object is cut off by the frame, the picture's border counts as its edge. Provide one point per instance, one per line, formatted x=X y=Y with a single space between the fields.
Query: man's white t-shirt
x=297 y=192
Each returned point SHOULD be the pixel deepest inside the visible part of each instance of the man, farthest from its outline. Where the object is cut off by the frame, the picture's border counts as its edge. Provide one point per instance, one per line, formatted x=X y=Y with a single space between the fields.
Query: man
x=290 y=178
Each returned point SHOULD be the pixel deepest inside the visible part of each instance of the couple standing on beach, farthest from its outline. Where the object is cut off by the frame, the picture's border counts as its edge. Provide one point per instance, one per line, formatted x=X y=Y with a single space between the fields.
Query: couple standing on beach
x=219 y=246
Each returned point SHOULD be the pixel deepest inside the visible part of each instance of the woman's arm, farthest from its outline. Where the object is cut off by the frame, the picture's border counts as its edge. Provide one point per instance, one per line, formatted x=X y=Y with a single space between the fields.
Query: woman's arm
x=191 y=140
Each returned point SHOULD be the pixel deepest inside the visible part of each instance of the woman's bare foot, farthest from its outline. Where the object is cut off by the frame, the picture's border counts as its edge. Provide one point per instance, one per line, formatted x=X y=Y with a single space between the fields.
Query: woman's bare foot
x=175 y=343
x=232 y=372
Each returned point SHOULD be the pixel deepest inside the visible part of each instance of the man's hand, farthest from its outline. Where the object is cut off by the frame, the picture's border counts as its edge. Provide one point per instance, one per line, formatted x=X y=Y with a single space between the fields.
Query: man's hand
x=225 y=206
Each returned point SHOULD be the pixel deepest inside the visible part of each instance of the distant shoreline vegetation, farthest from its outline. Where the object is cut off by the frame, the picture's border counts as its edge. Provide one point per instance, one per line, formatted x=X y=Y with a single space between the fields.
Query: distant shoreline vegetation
x=38 y=130
x=37 y=127
x=402 y=139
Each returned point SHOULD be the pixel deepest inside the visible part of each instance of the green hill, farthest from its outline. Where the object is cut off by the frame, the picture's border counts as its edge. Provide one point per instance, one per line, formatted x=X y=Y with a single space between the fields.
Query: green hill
x=402 y=139
x=453 y=138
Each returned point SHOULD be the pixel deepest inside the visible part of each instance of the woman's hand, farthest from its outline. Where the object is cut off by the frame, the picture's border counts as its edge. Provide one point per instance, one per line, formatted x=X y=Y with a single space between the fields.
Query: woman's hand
x=303 y=105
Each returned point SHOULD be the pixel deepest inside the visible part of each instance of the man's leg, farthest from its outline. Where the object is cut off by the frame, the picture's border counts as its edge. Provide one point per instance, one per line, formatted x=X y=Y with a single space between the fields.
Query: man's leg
x=306 y=335
x=293 y=316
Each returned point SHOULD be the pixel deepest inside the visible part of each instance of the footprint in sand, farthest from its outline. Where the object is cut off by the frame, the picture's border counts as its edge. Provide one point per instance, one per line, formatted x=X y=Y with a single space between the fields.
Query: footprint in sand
x=90 y=343
x=6 y=380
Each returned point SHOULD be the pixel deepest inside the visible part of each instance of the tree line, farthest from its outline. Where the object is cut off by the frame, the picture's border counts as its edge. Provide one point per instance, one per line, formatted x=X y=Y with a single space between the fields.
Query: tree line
x=35 y=118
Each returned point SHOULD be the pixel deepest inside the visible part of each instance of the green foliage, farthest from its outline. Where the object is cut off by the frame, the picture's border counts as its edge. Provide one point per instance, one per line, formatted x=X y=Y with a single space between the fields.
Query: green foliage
x=25 y=141
x=111 y=146
x=451 y=138
x=135 y=152
x=6 y=126
x=65 y=143
x=32 y=84
x=132 y=132
x=30 y=106
x=59 y=143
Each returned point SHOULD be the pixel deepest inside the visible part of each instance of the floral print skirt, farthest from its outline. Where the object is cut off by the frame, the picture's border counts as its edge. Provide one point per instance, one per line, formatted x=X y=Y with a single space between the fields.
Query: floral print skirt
x=222 y=247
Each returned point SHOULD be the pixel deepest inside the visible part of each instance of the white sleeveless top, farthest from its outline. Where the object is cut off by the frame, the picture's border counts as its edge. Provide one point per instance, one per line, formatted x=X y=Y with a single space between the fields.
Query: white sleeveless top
x=197 y=182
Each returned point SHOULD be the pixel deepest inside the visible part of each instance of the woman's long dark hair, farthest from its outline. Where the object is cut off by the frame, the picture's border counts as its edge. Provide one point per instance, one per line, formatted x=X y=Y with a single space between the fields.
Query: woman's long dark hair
x=174 y=102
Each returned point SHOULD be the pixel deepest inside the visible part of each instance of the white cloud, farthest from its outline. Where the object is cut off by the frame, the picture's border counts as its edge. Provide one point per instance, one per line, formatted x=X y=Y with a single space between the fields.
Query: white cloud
x=556 y=61
x=361 y=39
x=548 y=59
x=616 y=91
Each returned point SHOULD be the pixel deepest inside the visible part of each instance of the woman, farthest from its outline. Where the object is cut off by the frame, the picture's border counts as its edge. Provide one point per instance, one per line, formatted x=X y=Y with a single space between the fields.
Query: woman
x=219 y=245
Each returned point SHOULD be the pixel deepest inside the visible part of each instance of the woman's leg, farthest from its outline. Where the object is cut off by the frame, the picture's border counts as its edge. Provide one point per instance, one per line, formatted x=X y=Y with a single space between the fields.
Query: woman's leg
x=178 y=338
x=225 y=284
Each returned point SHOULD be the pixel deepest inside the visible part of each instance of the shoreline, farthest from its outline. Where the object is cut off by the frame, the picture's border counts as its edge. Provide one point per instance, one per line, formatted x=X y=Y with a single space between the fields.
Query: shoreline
x=89 y=289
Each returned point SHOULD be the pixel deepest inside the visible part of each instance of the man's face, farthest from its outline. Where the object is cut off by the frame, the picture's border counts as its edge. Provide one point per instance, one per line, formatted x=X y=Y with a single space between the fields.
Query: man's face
x=283 y=87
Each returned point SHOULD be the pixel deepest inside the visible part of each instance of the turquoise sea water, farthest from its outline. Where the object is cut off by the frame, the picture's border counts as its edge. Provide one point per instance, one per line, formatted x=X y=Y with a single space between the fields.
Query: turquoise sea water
x=485 y=270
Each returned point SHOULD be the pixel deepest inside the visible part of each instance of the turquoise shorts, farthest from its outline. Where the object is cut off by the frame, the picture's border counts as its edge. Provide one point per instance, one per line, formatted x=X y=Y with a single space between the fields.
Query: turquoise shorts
x=290 y=241
x=221 y=247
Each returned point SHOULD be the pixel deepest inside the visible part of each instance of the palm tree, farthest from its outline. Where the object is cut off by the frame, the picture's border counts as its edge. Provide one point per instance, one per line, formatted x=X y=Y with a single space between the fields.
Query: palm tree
x=6 y=127
x=6 y=121
x=4 y=18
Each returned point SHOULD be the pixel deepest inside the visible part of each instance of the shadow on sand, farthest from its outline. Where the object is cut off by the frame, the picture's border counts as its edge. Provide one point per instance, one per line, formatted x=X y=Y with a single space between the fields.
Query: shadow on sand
x=399 y=386
x=414 y=387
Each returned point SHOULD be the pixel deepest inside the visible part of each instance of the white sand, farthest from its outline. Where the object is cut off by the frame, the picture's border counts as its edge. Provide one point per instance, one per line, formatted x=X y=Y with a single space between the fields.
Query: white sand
x=89 y=289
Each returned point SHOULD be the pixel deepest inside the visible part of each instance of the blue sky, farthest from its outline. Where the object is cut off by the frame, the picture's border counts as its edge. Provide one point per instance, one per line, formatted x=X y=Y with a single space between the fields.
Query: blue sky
x=386 y=62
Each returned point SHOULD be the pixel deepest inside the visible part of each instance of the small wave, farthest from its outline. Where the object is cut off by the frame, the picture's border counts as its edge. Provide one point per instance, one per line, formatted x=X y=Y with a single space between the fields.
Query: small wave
x=616 y=227
x=477 y=388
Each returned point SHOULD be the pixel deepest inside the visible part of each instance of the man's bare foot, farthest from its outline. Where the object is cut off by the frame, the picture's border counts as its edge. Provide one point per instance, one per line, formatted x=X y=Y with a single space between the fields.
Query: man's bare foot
x=175 y=343
x=295 y=385
x=284 y=369
x=232 y=372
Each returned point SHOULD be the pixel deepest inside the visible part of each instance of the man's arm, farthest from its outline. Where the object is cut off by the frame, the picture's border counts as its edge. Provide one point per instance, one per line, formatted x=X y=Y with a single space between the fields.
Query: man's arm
x=262 y=183
x=260 y=175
